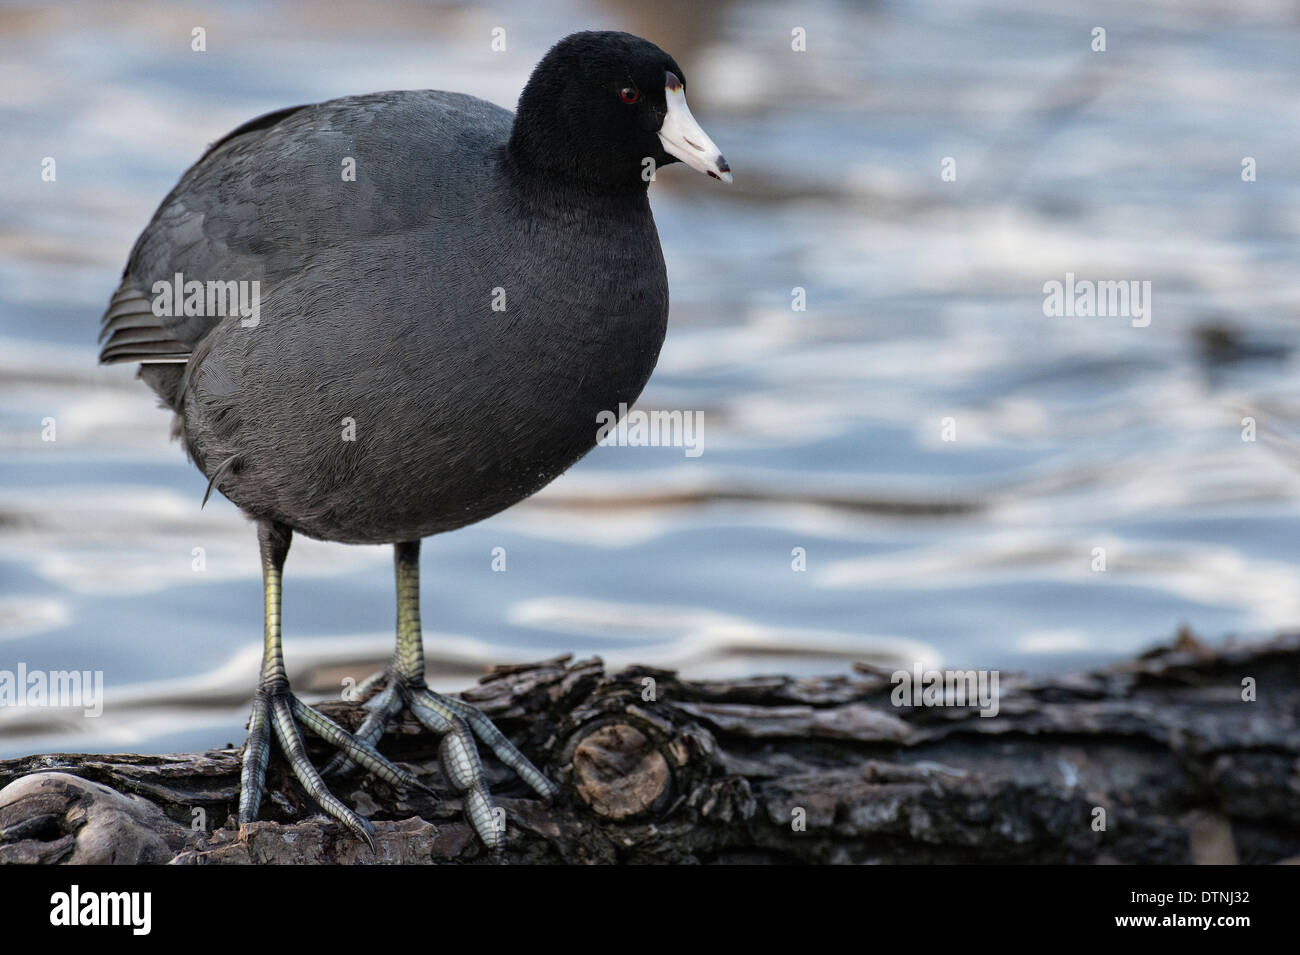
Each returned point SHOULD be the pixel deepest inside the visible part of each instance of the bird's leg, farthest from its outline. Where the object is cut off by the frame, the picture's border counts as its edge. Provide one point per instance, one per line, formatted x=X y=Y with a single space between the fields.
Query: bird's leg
x=408 y=658
x=456 y=721
x=277 y=712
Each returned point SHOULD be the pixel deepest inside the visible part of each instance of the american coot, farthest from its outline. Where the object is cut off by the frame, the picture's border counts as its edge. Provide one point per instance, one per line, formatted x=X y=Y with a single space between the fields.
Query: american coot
x=401 y=313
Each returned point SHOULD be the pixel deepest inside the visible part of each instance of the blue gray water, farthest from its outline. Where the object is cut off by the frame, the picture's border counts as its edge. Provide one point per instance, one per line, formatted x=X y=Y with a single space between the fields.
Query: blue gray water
x=823 y=428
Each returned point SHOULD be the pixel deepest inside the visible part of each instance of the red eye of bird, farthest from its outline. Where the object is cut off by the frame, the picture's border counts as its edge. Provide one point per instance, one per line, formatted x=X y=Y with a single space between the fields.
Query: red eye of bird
x=629 y=95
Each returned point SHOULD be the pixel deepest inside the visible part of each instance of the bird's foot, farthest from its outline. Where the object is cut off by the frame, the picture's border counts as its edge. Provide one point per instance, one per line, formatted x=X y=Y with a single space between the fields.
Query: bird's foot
x=277 y=713
x=457 y=722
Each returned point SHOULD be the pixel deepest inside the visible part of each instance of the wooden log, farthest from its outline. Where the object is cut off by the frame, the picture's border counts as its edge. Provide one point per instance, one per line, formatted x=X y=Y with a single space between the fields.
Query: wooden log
x=1164 y=759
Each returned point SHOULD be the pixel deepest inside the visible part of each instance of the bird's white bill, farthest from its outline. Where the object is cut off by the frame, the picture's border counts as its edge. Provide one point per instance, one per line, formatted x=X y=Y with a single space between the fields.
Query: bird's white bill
x=682 y=137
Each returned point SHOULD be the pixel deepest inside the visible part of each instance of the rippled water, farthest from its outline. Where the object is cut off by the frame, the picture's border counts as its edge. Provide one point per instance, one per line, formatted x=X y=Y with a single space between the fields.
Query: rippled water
x=823 y=428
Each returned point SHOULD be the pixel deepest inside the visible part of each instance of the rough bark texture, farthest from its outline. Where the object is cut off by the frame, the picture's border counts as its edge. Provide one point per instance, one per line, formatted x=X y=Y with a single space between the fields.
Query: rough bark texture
x=774 y=769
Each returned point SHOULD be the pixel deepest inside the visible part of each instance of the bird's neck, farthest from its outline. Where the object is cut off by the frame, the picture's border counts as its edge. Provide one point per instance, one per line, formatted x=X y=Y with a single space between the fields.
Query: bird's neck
x=538 y=166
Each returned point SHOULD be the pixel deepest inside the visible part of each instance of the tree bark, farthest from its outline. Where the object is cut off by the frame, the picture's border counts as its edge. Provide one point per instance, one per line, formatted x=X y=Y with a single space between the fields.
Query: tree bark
x=1164 y=759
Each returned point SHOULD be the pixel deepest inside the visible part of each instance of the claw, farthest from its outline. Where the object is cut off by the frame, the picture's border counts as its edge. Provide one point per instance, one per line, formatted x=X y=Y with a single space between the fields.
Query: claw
x=458 y=723
x=456 y=718
x=483 y=816
x=380 y=710
x=365 y=685
x=496 y=740
x=277 y=712
x=252 y=772
x=461 y=764
x=286 y=731
x=356 y=749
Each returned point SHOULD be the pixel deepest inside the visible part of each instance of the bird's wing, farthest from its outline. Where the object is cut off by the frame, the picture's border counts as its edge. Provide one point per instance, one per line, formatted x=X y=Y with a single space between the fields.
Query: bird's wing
x=129 y=329
x=271 y=200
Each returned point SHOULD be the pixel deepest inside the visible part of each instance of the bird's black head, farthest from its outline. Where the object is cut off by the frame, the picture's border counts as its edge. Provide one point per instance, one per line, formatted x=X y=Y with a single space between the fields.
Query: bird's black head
x=601 y=108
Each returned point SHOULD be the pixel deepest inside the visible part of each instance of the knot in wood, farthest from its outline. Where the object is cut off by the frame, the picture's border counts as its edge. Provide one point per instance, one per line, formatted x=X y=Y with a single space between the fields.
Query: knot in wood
x=619 y=772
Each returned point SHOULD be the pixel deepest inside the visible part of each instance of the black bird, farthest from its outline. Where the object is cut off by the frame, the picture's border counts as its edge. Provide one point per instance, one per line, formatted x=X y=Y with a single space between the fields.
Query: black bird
x=383 y=317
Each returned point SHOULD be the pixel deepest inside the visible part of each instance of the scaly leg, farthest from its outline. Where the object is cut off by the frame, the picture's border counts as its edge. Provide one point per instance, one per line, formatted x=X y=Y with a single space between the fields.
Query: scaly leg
x=456 y=721
x=277 y=712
